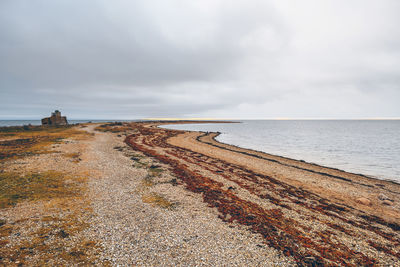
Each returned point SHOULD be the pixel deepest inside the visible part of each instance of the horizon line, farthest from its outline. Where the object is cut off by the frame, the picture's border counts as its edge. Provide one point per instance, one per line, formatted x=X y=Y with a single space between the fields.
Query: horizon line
x=277 y=118
x=215 y=119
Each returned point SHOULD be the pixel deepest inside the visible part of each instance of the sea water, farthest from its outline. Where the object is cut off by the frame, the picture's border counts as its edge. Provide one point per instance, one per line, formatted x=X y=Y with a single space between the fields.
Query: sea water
x=369 y=147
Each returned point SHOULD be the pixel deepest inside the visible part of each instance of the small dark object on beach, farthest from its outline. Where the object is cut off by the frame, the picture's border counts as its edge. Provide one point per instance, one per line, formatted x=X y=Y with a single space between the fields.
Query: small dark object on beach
x=219 y=171
x=154 y=166
x=119 y=148
x=63 y=234
x=77 y=253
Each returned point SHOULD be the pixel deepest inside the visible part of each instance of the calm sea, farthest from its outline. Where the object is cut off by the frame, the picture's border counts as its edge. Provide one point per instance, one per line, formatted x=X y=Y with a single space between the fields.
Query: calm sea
x=370 y=147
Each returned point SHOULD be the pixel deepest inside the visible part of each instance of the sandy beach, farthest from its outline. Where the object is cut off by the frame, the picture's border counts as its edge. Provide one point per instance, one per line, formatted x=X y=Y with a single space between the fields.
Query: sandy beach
x=149 y=196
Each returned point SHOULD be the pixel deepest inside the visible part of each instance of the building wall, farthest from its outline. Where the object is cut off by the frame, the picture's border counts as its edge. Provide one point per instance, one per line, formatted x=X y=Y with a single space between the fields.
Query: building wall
x=55 y=119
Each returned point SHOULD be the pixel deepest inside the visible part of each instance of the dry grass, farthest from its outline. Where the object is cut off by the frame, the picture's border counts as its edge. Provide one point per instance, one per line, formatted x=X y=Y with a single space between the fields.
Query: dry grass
x=157 y=200
x=15 y=188
x=148 y=181
x=51 y=241
x=5 y=231
x=114 y=127
x=75 y=157
x=35 y=140
x=55 y=235
x=155 y=171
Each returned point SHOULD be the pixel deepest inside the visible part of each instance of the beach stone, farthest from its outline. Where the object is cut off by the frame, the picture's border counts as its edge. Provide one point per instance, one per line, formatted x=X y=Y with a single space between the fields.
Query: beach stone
x=384 y=197
x=364 y=201
x=387 y=202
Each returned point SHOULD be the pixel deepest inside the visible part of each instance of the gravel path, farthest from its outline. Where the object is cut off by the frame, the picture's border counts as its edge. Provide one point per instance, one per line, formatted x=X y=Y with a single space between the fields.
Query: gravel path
x=133 y=232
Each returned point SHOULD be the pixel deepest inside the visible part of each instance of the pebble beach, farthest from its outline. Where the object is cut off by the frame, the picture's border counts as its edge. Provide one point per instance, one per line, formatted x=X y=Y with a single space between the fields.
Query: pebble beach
x=158 y=197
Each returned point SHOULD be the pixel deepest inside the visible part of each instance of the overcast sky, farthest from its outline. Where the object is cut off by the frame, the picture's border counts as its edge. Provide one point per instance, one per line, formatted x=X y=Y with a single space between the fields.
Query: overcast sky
x=127 y=59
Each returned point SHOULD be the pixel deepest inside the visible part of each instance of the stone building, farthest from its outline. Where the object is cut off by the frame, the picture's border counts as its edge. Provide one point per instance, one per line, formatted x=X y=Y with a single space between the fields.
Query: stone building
x=55 y=119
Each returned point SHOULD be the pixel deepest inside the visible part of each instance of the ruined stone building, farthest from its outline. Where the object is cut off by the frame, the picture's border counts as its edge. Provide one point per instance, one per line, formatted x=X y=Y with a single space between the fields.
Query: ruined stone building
x=55 y=119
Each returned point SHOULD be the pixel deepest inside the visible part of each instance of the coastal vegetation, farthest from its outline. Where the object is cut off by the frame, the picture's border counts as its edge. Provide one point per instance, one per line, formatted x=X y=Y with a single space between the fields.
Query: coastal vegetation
x=42 y=205
x=113 y=127
x=15 y=187
x=20 y=142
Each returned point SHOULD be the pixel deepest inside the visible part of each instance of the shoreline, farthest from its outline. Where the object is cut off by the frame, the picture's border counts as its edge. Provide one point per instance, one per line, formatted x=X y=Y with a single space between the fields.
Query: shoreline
x=149 y=195
x=246 y=186
x=322 y=165
x=312 y=168
x=307 y=162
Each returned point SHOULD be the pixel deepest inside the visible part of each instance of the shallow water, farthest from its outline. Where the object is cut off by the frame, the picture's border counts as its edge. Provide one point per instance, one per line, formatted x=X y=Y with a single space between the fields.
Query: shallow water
x=370 y=147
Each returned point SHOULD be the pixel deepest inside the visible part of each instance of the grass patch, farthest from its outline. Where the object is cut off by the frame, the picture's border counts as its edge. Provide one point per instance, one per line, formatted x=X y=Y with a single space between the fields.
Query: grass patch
x=113 y=127
x=15 y=188
x=55 y=235
x=139 y=164
x=158 y=200
x=53 y=239
x=73 y=156
x=5 y=230
x=50 y=241
x=34 y=140
x=14 y=130
x=155 y=171
x=8 y=134
x=148 y=181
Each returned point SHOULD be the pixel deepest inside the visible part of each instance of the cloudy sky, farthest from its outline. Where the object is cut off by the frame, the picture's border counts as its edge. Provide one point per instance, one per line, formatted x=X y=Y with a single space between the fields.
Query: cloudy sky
x=127 y=59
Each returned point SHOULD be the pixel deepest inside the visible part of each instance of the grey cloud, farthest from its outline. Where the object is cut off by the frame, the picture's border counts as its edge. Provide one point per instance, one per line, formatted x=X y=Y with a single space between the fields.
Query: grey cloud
x=198 y=58
x=56 y=45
